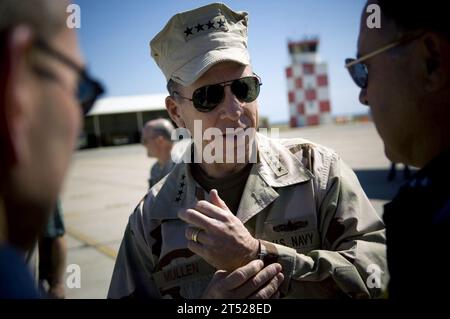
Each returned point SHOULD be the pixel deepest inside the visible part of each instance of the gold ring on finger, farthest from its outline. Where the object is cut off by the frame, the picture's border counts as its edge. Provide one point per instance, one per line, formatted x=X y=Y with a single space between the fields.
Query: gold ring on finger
x=194 y=235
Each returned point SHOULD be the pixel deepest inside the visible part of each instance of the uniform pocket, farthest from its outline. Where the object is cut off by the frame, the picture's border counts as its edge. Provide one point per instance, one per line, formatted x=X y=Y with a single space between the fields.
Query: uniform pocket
x=297 y=234
x=184 y=278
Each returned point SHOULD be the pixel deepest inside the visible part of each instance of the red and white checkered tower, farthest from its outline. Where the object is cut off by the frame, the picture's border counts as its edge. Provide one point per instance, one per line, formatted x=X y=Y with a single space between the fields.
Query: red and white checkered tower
x=307 y=80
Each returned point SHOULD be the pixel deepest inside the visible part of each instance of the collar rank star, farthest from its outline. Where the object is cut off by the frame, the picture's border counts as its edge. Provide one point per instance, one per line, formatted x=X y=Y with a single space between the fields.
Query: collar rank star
x=180 y=188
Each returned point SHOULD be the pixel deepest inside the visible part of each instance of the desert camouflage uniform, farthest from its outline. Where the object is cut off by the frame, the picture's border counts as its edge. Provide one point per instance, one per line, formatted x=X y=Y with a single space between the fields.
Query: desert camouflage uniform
x=307 y=207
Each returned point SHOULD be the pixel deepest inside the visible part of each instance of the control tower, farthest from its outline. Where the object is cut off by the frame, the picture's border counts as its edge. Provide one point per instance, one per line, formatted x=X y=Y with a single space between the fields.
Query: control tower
x=307 y=82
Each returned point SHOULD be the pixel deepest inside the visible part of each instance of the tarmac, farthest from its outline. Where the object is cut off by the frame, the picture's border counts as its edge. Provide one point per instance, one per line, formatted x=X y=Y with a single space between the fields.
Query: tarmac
x=104 y=186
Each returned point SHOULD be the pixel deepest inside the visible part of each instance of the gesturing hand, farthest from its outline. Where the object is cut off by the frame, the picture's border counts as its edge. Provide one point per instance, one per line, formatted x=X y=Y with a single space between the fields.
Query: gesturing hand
x=220 y=237
x=249 y=281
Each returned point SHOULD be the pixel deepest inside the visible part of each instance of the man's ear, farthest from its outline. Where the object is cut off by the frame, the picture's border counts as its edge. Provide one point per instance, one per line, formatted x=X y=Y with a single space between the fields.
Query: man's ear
x=14 y=95
x=173 y=109
x=436 y=50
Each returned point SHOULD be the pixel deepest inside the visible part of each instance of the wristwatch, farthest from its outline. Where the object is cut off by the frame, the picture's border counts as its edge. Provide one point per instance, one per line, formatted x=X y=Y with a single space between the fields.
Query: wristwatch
x=266 y=256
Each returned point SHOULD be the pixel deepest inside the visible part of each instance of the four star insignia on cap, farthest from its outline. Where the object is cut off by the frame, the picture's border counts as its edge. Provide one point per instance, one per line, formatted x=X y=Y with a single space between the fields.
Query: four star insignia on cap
x=211 y=24
x=199 y=27
x=188 y=31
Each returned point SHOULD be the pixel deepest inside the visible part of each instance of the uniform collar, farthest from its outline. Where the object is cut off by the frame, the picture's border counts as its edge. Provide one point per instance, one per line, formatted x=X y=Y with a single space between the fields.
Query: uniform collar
x=276 y=167
x=174 y=192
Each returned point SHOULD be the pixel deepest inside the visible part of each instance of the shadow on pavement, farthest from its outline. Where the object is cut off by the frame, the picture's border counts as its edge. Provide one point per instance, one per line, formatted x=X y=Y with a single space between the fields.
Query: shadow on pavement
x=376 y=185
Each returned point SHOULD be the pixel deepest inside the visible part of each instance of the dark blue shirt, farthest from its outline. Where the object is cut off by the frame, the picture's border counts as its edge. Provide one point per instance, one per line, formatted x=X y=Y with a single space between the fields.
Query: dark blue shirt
x=418 y=233
x=15 y=278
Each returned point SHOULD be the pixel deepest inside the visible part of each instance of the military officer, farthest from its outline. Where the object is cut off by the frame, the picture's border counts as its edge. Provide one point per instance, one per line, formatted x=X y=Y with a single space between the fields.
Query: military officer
x=285 y=218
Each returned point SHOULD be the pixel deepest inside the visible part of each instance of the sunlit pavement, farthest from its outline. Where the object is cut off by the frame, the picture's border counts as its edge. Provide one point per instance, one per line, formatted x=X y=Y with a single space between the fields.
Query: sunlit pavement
x=104 y=185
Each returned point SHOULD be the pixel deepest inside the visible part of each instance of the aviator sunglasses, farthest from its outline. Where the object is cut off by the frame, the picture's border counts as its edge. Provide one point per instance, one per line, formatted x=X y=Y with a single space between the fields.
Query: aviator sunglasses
x=208 y=97
x=358 y=69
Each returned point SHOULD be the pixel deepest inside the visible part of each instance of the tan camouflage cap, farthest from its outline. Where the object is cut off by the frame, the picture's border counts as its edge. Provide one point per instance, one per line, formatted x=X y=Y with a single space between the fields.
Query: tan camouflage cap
x=193 y=41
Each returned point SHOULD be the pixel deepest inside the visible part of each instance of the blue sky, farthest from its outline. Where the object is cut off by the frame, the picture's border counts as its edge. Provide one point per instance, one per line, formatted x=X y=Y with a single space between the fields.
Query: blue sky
x=114 y=36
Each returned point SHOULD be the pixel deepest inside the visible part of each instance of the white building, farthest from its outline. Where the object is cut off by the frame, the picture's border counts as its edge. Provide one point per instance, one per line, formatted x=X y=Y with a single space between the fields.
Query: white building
x=119 y=120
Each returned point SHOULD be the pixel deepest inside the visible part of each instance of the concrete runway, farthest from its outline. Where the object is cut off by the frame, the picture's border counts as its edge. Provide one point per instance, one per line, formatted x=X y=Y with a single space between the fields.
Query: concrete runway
x=104 y=186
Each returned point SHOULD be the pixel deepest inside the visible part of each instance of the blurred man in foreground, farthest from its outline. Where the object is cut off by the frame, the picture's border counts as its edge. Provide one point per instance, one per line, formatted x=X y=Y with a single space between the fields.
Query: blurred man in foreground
x=403 y=70
x=42 y=85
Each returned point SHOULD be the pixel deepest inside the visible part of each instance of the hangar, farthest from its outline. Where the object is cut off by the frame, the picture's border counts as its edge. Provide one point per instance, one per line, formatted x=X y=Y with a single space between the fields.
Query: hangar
x=119 y=120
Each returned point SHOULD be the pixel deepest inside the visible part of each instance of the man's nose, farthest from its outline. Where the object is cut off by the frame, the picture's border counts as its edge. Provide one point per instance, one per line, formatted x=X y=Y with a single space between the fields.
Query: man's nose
x=363 y=97
x=232 y=108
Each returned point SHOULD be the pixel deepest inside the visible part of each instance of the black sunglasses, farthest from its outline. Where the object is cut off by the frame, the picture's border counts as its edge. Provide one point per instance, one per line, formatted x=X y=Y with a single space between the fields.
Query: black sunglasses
x=208 y=97
x=88 y=89
x=358 y=70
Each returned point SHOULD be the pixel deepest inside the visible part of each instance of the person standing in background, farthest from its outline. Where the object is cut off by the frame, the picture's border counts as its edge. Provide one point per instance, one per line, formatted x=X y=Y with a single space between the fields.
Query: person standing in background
x=156 y=137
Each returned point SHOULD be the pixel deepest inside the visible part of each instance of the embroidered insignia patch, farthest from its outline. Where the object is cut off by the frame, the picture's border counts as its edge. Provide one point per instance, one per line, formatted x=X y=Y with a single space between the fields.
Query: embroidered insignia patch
x=217 y=23
x=290 y=226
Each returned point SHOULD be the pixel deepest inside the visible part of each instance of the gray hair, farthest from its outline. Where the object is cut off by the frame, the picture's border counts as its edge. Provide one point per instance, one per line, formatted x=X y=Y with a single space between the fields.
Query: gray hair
x=159 y=127
x=172 y=86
